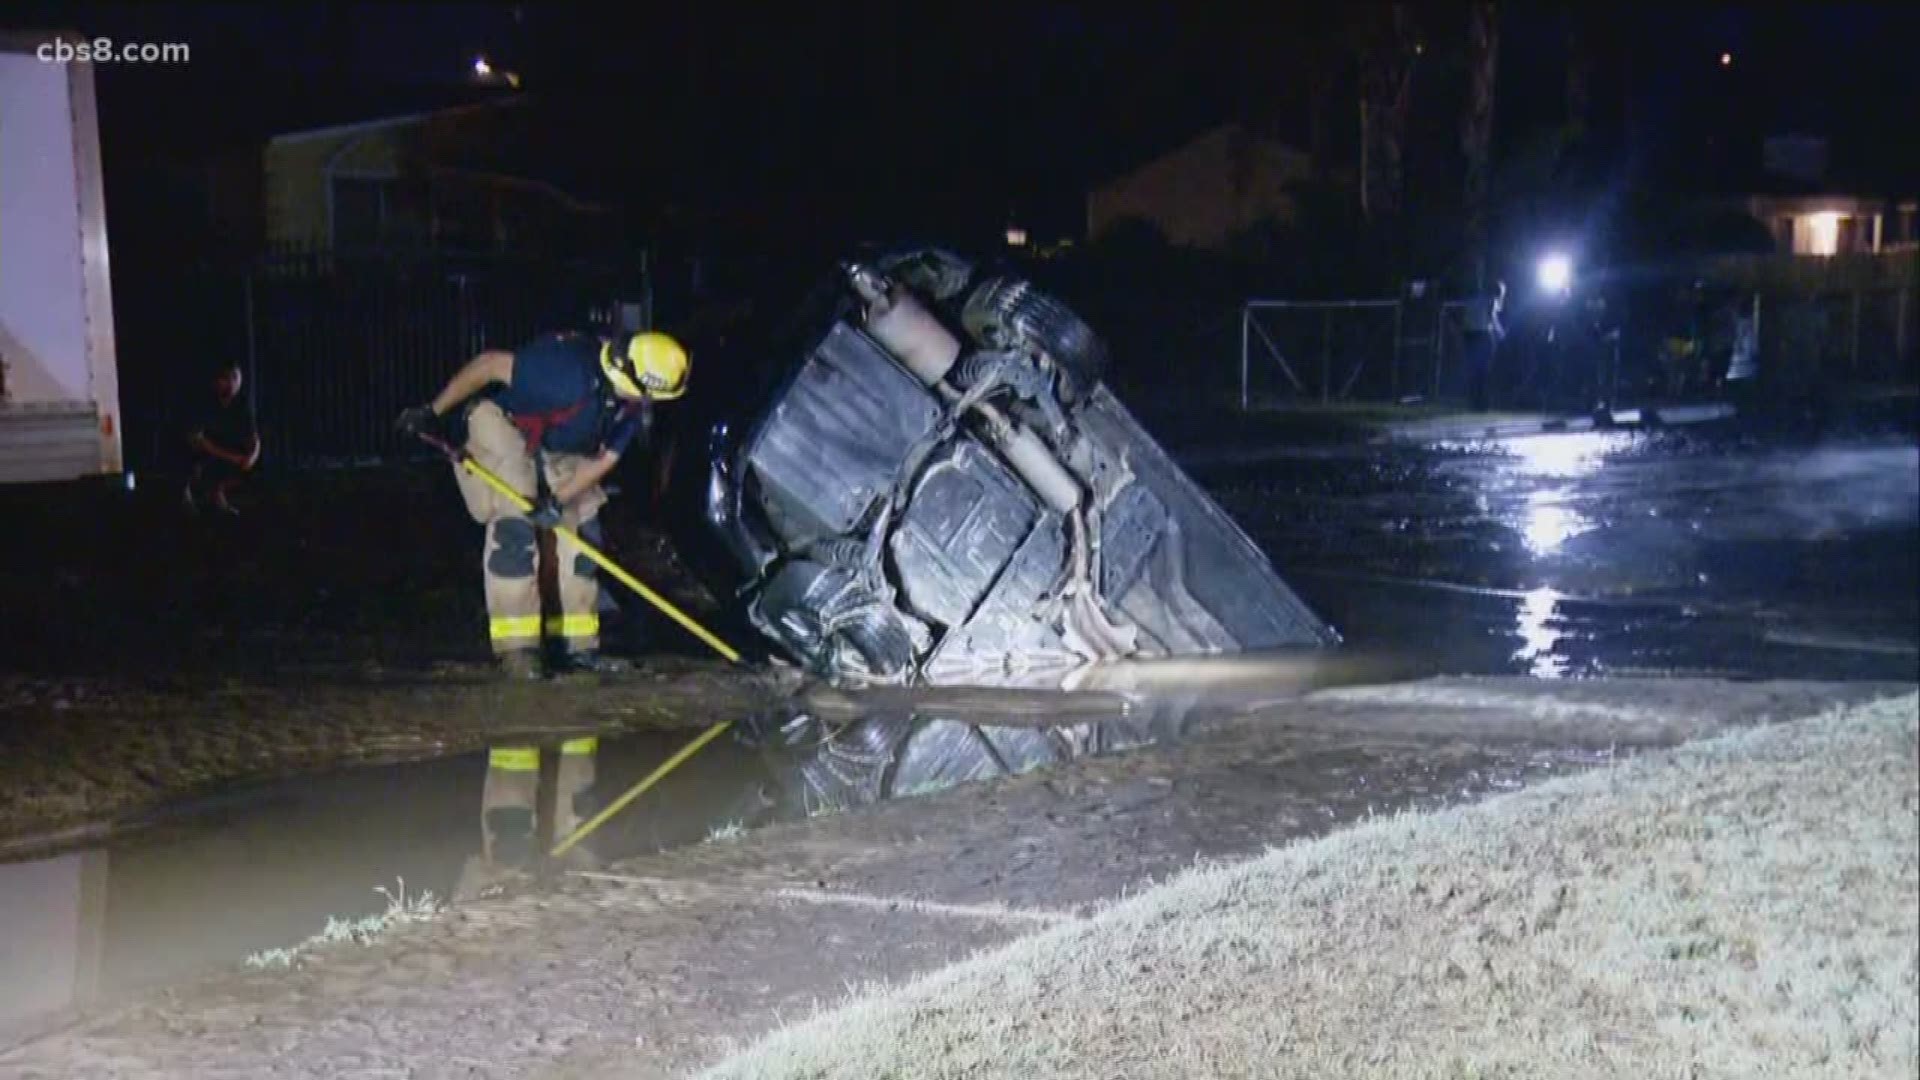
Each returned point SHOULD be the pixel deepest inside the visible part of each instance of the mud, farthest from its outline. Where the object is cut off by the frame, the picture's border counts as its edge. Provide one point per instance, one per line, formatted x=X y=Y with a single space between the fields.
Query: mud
x=281 y=858
x=79 y=758
x=654 y=965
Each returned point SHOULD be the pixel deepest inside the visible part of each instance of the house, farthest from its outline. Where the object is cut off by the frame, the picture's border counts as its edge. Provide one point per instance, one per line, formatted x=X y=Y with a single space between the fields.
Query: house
x=451 y=179
x=1821 y=225
x=1840 y=289
x=1221 y=183
x=1812 y=209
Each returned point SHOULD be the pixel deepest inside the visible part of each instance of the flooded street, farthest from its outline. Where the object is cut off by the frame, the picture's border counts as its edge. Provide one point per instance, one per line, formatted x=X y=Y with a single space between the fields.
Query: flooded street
x=1560 y=557
x=1700 y=550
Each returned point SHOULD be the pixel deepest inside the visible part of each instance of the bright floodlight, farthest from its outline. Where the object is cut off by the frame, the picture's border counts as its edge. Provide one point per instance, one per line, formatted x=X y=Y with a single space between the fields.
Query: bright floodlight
x=481 y=67
x=1556 y=274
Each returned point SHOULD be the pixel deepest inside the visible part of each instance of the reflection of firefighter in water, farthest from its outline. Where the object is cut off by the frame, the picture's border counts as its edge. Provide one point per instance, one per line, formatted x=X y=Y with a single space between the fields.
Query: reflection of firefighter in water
x=511 y=800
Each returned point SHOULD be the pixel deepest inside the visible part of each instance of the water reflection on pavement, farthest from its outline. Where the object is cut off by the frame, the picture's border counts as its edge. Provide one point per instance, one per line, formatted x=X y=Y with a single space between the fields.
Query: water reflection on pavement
x=1578 y=554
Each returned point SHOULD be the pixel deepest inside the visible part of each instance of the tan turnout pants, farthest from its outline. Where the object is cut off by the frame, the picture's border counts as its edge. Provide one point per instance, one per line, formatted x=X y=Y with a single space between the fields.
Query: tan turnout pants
x=510 y=801
x=510 y=561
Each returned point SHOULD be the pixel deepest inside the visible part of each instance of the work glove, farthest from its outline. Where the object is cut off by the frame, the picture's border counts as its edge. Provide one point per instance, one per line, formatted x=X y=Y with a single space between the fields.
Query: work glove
x=546 y=512
x=419 y=420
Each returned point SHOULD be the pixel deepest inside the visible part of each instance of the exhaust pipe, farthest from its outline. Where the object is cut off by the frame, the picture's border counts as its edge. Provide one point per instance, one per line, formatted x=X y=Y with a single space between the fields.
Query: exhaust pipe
x=906 y=329
x=909 y=331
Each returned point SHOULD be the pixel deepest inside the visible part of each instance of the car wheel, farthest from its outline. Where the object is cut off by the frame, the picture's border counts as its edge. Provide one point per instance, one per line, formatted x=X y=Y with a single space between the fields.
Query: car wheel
x=881 y=645
x=1008 y=313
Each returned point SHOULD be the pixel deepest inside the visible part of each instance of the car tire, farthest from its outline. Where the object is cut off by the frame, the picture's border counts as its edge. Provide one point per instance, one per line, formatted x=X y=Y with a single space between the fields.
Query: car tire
x=883 y=646
x=1009 y=313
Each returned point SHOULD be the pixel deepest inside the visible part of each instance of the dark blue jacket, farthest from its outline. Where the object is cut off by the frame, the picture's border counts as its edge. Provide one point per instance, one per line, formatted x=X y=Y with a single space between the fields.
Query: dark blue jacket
x=560 y=400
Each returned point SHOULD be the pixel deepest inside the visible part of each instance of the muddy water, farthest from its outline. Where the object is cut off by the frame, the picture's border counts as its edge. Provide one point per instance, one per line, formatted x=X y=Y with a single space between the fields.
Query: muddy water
x=253 y=870
x=211 y=883
x=268 y=867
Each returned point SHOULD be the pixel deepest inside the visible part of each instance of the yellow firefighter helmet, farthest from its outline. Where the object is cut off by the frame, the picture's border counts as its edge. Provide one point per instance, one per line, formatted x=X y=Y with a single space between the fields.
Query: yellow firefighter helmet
x=649 y=365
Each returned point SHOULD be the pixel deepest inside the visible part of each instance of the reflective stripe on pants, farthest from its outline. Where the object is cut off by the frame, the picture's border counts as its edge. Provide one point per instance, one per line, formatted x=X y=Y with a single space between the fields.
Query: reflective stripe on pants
x=514 y=628
x=514 y=759
x=573 y=627
x=527 y=758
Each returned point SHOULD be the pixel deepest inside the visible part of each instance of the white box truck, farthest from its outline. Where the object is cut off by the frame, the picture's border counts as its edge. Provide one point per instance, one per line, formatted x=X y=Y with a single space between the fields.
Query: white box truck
x=59 y=389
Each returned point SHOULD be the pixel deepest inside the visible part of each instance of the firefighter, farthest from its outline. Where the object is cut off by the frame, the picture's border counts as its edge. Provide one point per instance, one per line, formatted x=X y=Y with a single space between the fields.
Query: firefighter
x=554 y=415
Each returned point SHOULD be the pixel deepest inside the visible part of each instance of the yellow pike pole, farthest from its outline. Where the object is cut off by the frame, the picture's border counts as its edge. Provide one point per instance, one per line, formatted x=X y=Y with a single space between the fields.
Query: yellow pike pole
x=640 y=788
x=487 y=476
x=526 y=506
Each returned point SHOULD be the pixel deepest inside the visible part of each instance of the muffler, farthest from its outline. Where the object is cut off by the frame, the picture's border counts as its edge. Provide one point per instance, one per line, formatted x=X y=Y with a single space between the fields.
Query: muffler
x=914 y=336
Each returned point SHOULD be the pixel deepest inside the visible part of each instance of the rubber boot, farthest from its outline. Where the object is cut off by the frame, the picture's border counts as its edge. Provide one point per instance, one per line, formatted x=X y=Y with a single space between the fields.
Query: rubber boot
x=592 y=662
x=520 y=665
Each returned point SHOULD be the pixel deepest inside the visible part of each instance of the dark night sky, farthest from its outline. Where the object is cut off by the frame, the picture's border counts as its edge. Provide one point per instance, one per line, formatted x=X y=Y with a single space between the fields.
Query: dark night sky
x=890 y=102
x=918 y=113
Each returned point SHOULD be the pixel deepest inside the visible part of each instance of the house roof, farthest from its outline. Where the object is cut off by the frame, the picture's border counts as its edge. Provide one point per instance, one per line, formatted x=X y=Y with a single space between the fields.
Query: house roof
x=504 y=161
x=394 y=120
x=526 y=183
x=1229 y=129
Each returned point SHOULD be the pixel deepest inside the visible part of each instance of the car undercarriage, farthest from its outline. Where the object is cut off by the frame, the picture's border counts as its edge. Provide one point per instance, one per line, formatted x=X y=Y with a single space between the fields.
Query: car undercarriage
x=943 y=491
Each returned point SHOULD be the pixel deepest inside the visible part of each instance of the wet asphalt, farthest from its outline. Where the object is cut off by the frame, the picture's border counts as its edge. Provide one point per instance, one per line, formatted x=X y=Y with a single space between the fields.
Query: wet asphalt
x=1711 y=549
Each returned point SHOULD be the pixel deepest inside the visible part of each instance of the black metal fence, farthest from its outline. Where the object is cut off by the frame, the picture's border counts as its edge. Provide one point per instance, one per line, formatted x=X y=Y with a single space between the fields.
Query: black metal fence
x=1861 y=335
x=334 y=344
x=339 y=343
x=1391 y=350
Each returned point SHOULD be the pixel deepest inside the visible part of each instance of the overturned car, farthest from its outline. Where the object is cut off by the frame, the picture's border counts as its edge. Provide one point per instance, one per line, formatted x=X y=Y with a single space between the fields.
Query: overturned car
x=940 y=490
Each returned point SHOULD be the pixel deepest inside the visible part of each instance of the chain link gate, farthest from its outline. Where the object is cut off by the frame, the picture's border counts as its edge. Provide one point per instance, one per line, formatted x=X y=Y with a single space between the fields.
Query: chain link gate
x=1324 y=351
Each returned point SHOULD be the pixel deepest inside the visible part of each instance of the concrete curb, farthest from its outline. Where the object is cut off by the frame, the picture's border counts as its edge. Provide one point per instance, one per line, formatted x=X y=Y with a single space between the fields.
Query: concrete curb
x=1452 y=428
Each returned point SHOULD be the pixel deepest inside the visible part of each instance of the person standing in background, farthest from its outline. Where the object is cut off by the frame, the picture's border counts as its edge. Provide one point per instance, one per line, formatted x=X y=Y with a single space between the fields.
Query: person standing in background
x=1482 y=331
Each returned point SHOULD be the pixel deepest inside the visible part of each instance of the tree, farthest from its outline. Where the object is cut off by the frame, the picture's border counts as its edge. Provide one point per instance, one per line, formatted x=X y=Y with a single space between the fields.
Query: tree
x=1580 y=50
x=1390 y=47
x=1476 y=126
